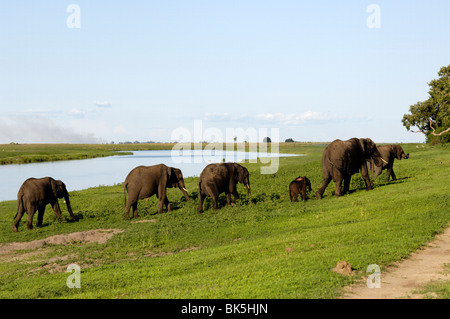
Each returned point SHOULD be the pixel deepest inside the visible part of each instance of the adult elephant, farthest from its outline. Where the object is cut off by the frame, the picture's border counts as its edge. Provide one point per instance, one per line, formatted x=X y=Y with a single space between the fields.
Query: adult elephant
x=221 y=177
x=389 y=153
x=35 y=194
x=146 y=181
x=342 y=159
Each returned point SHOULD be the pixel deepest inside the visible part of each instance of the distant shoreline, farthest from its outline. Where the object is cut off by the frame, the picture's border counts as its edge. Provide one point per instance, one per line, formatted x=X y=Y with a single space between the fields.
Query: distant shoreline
x=35 y=153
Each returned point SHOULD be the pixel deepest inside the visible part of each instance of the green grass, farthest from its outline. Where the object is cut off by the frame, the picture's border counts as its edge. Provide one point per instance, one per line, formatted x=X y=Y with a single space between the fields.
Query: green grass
x=31 y=153
x=265 y=247
x=436 y=289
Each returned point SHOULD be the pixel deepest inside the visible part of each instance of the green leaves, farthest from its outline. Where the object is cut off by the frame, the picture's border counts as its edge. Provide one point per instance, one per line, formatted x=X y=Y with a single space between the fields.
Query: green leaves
x=432 y=116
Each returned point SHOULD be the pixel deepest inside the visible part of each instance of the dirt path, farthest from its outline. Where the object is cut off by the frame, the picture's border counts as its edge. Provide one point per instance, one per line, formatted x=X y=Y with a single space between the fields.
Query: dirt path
x=403 y=278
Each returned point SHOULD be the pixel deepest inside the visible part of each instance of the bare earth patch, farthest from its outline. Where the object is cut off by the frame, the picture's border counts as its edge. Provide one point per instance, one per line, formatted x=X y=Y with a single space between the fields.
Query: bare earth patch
x=100 y=236
x=409 y=275
x=35 y=252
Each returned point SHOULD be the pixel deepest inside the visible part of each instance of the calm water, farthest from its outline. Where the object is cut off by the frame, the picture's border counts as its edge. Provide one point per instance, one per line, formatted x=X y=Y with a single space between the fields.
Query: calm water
x=82 y=174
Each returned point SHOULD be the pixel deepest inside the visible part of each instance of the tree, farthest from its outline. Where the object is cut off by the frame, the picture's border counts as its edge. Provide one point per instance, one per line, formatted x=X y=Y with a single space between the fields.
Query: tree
x=267 y=140
x=289 y=140
x=432 y=117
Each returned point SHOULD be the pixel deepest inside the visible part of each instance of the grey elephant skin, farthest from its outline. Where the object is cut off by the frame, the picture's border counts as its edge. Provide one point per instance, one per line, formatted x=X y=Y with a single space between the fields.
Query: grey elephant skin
x=299 y=186
x=389 y=153
x=342 y=159
x=219 y=178
x=35 y=194
x=146 y=181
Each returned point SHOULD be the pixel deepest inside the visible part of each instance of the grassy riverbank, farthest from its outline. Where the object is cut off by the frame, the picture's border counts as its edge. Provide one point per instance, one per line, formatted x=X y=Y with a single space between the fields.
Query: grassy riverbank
x=265 y=247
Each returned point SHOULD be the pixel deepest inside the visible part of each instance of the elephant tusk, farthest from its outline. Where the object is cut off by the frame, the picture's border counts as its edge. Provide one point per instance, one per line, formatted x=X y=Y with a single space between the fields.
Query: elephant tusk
x=246 y=186
x=184 y=189
x=384 y=160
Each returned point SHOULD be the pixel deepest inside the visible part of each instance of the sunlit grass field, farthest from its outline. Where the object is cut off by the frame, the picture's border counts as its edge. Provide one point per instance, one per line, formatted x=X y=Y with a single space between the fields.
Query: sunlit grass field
x=265 y=247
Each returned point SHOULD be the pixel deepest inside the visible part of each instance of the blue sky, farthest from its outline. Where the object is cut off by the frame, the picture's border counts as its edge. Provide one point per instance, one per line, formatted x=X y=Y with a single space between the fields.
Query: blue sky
x=138 y=70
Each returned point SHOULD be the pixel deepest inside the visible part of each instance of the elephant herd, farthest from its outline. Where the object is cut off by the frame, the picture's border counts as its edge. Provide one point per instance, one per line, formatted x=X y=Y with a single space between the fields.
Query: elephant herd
x=340 y=160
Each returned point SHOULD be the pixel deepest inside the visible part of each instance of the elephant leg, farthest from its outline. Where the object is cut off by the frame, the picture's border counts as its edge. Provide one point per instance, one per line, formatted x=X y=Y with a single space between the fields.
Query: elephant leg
x=228 y=199
x=40 y=219
x=365 y=176
x=126 y=212
x=337 y=191
x=160 y=206
x=167 y=204
x=20 y=212
x=161 y=194
x=57 y=210
x=347 y=183
x=233 y=190
x=394 y=178
x=303 y=191
x=325 y=182
x=215 y=199
x=236 y=197
x=135 y=213
x=388 y=174
x=31 y=209
x=201 y=197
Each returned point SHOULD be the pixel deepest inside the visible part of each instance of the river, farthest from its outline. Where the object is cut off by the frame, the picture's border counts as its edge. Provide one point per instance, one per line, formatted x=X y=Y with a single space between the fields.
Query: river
x=82 y=174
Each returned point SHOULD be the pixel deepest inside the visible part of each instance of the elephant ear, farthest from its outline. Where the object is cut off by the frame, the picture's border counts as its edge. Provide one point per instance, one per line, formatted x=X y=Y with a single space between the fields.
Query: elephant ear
x=365 y=147
x=54 y=187
x=398 y=151
x=369 y=148
x=238 y=173
x=170 y=176
x=58 y=188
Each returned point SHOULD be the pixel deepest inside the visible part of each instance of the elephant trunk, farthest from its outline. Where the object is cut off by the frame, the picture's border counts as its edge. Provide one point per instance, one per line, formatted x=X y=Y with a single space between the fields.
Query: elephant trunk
x=69 y=207
x=248 y=189
x=378 y=159
x=185 y=192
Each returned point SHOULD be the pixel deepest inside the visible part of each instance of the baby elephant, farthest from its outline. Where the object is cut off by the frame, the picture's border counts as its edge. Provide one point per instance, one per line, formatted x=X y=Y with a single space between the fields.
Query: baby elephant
x=35 y=194
x=298 y=186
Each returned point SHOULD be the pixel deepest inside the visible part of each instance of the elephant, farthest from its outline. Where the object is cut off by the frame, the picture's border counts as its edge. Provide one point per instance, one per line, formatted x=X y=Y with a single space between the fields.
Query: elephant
x=35 y=194
x=388 y=153
x=342 y=159
x=221 y=177
x=298 y=186
x=146 y=181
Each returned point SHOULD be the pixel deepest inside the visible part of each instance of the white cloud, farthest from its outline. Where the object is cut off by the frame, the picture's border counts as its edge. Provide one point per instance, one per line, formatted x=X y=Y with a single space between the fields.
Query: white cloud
x=77 y=112
x=102 y=104
x=25 y=129
x=224 y=116
x=285 y=119
x=120 y=129
x=43 y=112
x=292 y=118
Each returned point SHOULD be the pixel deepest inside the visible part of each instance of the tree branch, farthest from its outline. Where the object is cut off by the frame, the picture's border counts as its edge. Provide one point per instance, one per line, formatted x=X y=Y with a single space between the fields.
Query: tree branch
x=433 y=133
x=434 y=130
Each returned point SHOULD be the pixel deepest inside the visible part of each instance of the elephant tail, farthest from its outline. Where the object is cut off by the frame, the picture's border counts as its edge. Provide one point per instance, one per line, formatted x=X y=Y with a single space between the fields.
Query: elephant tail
x=199 y=187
